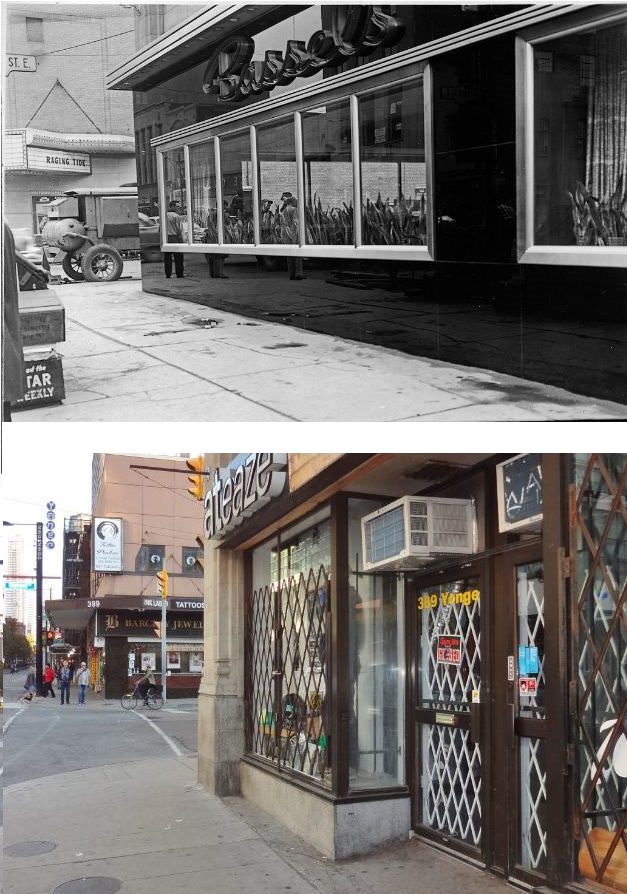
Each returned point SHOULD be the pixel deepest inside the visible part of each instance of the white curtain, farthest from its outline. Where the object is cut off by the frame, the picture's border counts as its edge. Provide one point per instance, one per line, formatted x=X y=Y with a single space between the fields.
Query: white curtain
x=606 y=153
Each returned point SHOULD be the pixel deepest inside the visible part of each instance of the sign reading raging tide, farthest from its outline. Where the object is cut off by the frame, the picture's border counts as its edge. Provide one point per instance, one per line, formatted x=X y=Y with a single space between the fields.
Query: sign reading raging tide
x=240 y=490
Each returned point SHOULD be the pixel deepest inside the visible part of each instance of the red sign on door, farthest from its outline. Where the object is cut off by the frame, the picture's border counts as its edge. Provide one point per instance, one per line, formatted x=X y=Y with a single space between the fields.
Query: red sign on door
x=449 y=650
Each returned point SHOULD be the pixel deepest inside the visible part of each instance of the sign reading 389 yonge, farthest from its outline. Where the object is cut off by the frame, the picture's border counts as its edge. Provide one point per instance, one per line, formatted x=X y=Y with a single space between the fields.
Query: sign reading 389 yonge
x=238 y=491
x=355 y=30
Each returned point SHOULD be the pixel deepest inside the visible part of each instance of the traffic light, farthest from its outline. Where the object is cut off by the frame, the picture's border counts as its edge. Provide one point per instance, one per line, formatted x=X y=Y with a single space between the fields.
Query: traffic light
x=162 y=582
x=195 y=465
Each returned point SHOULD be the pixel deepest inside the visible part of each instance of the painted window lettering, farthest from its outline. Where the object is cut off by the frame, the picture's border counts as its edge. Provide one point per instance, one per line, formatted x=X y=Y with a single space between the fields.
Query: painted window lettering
x=233 y=76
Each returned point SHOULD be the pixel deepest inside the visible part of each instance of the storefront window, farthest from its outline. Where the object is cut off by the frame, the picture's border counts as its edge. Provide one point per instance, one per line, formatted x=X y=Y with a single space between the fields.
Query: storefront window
x=580 y=102
x=377 y=668
x=286 y=649
x=175 y=191
x=278 y=197
x=328 y=175
x=203 y=189
x=180 y=660
x=237 y=186
x=393 y=169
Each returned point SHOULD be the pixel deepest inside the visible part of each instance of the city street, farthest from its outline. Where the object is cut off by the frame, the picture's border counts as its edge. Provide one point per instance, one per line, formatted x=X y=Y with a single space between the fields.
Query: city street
x=105 y=800
x=179 y=345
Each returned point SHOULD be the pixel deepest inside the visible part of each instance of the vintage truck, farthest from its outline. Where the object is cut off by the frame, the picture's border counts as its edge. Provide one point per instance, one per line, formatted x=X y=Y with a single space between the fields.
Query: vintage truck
x=97 y=229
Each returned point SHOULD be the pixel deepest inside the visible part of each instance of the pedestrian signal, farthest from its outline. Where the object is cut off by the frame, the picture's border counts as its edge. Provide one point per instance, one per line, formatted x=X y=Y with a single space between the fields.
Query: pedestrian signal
x=162 y=582
x=195 y=465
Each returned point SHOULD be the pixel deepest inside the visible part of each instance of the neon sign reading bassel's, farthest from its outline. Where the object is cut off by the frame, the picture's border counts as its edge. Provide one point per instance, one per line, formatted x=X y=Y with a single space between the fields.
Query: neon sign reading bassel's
x=355 y=30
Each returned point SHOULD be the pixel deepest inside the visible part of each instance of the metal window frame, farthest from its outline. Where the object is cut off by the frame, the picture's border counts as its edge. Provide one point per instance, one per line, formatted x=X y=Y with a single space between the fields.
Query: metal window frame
x=349 y=88
x=527 y=251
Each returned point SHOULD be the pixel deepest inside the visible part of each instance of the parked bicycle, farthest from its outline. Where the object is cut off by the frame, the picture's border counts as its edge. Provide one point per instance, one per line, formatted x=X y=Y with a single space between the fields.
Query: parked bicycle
x=153 y=698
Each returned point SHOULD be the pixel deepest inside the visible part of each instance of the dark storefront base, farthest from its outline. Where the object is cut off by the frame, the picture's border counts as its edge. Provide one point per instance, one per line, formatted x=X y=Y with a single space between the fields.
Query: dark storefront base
x=558 y=325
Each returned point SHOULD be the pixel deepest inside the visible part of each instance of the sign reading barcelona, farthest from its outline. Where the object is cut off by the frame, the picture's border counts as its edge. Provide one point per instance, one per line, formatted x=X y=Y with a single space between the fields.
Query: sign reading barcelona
x=355 y=30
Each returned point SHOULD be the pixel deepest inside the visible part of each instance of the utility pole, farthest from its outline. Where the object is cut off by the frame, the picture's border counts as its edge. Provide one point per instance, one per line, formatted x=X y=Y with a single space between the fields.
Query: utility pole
x=39 y=578
x=162 y=583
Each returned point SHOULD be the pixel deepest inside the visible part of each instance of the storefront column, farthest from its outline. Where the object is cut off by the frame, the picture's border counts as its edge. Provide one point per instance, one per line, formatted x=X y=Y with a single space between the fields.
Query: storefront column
x=558 y=762
x=221 y=693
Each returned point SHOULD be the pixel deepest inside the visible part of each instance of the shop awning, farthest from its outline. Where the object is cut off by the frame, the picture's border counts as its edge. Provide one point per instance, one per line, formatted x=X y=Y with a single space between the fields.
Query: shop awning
x=190 y=42
x=75 y=614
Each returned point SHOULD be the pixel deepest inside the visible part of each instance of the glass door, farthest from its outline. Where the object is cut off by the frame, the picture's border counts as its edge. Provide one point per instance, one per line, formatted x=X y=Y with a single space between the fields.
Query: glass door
x=448 y=643
x=519 y=812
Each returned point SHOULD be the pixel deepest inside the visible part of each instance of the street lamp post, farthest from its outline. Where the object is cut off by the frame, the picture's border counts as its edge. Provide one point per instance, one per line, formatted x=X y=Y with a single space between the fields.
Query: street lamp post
x=39 y=584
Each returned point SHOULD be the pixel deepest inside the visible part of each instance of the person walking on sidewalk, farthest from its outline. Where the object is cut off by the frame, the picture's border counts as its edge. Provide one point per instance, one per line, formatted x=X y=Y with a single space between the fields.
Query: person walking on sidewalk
x=174 y=233
x=48 y=678
x=82 y=678
x=65 y=678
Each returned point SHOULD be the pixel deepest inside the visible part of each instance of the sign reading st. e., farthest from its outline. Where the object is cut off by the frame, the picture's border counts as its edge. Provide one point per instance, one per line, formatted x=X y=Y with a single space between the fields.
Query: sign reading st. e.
x=21 y=63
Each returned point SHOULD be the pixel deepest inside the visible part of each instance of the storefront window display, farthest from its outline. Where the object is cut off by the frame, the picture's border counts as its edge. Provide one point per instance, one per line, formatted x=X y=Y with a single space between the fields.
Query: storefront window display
x=377 y=668
x=237 y=185
x=175 y=188
x=393 y=167
x=203 y=192
x=327 y=157
x=179 y=659
x=600 y=550
x=286 y=638
x=278 y=190
x=580 y=120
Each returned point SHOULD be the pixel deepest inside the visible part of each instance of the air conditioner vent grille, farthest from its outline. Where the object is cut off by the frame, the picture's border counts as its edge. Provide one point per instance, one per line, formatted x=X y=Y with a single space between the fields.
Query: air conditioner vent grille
x=411 y=531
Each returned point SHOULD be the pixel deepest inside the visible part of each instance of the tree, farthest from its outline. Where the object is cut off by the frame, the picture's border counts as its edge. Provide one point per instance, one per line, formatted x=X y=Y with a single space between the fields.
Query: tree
x=16 y=646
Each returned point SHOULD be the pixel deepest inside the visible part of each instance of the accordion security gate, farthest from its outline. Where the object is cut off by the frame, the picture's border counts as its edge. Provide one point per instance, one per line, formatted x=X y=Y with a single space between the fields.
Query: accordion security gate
x=599 y=551
x=451 y=761
x=287 y=672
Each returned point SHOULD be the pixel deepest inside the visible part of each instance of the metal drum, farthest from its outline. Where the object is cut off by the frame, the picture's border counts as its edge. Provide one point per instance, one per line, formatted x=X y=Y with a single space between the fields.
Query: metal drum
x=67 y=234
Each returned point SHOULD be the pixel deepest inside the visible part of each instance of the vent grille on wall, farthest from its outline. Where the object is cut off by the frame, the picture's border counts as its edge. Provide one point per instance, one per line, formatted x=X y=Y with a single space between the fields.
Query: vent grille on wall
x=409 y=532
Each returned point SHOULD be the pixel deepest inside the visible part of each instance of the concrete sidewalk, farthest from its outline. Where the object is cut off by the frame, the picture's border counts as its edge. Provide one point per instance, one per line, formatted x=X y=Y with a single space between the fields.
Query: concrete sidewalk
x=149 y=828
x=134 y=356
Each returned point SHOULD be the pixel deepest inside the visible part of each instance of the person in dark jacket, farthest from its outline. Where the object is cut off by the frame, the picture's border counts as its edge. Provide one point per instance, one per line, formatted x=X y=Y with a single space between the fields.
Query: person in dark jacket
x=65 y=678
x=13 y=380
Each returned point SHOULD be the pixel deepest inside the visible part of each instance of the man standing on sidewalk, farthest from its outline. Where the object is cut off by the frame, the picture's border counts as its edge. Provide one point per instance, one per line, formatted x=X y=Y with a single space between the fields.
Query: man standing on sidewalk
x=174 y=233
x=65 y=678
x=82 y=678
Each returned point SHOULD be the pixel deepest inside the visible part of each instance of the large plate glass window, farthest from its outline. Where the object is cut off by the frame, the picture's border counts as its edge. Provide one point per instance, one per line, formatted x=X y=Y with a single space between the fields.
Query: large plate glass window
x=287 y=641
x=327 y=155
x=580 y=102
x=376 y=668
x=393 y=166
x=237 y=188
x=203 y=189
x=175 y=191
x=278 y=198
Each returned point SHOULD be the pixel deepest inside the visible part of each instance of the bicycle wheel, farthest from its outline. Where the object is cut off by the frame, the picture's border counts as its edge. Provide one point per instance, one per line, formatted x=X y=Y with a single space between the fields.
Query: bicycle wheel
x=129 y=701
x=155 y=702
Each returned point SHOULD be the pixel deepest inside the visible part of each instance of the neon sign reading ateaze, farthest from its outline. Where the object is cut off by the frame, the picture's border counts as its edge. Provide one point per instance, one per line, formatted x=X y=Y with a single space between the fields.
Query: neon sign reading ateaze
x=237 y=493
x=355 y=30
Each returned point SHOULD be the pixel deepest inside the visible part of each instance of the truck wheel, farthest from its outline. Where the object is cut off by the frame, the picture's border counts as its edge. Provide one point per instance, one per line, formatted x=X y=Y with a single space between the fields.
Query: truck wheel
x=73 y=267
x=102 y=263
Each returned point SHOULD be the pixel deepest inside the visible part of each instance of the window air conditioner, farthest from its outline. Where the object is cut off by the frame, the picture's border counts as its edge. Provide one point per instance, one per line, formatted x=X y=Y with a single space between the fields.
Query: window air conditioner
x=409 y=532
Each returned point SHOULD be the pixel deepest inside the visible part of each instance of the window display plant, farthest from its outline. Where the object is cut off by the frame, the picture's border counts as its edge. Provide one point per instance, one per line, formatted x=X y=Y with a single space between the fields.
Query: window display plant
x=403 y=223
x=596 y=221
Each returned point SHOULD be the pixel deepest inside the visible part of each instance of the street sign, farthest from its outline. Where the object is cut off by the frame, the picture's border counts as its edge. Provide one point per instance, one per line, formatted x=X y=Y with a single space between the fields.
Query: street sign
x=21 y=63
